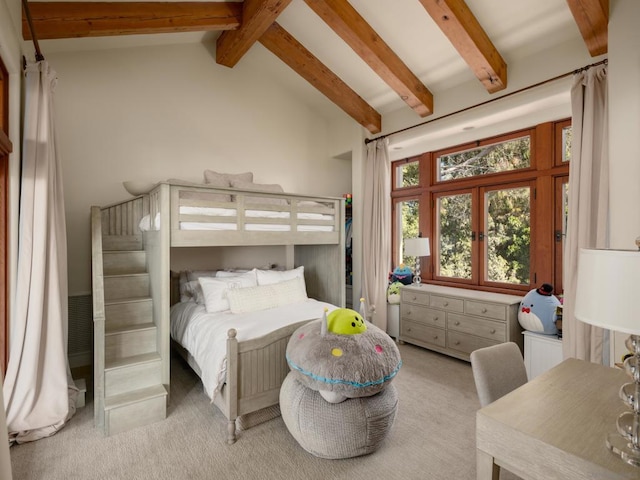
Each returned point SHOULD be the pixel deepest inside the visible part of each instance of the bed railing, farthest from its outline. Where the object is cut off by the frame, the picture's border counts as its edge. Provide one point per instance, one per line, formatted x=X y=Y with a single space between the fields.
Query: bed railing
x=123 y=218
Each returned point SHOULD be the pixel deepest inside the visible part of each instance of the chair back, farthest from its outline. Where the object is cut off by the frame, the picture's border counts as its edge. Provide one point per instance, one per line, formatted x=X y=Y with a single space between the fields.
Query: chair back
x=497 y=370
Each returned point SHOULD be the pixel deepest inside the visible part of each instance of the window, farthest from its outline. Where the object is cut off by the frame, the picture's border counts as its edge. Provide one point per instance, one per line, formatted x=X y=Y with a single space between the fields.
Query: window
x=407 y=174
x=408 y=221
x=492 y=158
x=491 y=209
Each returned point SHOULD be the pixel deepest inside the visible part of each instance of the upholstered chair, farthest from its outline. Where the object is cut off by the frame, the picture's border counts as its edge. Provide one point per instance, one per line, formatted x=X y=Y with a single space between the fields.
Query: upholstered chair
x=497 y=370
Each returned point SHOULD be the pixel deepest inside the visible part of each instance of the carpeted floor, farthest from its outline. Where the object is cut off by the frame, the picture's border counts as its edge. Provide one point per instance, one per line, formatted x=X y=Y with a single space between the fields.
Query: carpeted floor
x=433 y=438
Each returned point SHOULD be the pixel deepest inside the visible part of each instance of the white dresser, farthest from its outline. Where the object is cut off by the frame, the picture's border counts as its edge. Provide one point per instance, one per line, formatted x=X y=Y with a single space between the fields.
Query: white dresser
x=457 y=321
x=541 y=353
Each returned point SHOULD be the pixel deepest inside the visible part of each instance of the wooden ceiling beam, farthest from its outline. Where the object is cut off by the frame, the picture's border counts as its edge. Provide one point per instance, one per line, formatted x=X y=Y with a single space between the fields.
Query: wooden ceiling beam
x=359 y=35
x=592 y=17
x=53 y=20
x=280 y=42
x=257 y=17
x=463 y=30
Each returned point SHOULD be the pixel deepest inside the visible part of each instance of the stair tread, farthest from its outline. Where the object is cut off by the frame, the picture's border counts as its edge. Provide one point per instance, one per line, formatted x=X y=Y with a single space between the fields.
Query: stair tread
x=129 y=328
x=133 y=360
x=122 y=251
x=134 y=396
x=137 y=274
x=127 y=300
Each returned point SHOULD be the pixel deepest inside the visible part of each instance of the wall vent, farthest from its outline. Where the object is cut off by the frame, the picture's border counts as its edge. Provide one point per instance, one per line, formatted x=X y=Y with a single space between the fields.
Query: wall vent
x=80 y=345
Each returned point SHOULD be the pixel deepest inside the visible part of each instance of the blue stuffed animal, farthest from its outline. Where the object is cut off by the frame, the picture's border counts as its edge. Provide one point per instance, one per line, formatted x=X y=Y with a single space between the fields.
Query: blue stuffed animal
x=538 y=310
x=402 y=274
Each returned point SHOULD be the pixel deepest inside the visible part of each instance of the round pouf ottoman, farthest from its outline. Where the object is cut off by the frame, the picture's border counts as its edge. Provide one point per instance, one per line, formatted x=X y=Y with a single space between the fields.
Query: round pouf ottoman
x=354 y=427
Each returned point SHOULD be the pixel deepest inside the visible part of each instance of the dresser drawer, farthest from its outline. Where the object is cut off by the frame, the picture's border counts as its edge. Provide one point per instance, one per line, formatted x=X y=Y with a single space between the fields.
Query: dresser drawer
x=477 y=326
x=447 y=303
x=425 y=315
x=464 y=343
x=423 y=333
x=489 y=310
x=412 y=296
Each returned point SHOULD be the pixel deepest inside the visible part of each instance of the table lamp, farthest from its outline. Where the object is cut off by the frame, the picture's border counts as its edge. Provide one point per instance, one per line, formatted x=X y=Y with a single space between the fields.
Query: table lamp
x=417 y=247
x=607 y=296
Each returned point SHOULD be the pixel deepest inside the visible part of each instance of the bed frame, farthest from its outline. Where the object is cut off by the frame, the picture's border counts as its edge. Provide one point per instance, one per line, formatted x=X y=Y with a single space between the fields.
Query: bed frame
x=255 y=368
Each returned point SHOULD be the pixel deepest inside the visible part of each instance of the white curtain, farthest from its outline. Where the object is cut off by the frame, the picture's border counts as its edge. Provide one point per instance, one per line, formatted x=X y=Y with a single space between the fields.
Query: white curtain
x=39 y=393
x=376 y=231
x=588 y=224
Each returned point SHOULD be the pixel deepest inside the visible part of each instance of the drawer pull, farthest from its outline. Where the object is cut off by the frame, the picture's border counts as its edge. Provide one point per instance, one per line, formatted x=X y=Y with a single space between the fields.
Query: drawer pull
x=456 y=323
x=446 y=304
x=493 y=330
x=484 y=310
x=457 y=342
x=435 y=319
x=435 y=337
x=409 y=329
x=414 y=298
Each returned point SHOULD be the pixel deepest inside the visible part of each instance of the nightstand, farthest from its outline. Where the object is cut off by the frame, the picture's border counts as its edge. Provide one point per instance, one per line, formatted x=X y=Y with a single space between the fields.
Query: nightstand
x=541 y=353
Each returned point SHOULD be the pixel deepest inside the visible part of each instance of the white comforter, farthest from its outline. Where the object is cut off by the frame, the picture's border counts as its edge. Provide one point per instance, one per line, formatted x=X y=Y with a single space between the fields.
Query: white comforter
x=204 y=334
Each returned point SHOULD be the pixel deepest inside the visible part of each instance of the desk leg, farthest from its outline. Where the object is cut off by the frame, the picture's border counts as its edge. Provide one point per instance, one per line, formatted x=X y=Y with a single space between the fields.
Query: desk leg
x=486 y=469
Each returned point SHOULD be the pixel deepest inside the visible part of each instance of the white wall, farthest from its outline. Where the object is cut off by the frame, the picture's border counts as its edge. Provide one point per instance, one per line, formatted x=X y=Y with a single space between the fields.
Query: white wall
x=493 y=115
x=171 y=112
x=624 y=131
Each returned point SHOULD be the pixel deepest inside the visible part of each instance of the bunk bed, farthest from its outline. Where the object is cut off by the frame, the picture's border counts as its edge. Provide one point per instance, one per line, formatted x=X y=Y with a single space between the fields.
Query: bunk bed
x=174 y=215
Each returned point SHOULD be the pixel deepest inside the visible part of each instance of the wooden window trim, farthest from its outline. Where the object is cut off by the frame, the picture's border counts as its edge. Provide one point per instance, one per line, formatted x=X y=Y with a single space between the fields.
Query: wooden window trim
x=5 y=149
x=546 y=167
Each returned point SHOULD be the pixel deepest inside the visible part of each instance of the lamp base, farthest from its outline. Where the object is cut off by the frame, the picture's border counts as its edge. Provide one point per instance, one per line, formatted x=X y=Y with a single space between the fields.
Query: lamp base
x=624 y=449
x=417 y=279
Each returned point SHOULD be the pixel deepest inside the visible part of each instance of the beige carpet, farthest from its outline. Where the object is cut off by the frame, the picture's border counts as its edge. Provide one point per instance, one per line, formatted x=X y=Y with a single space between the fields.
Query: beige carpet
x=433 y=438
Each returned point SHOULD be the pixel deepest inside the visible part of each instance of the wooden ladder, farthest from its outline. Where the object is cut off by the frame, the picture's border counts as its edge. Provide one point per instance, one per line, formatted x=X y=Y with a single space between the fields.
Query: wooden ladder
x=128 y=390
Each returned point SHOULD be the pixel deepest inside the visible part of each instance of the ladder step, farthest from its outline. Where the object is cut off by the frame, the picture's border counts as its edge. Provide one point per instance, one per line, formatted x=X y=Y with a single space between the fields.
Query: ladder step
x=124 y=261
x=135 y=409
x=128 y=341
x=124 y=399
x=121 y=242
x=128 y=311
x=132 y=361
x=117 y=287
x=129 y=329
x=132 y=373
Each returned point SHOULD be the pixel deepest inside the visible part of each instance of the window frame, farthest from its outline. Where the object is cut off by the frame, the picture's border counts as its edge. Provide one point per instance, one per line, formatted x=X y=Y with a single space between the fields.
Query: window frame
x=5 y=149
x=545 y=166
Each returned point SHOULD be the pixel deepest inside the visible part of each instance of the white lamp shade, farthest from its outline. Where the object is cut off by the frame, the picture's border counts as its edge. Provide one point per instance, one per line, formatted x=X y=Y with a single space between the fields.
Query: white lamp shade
x=608 y=289
x=416 y=247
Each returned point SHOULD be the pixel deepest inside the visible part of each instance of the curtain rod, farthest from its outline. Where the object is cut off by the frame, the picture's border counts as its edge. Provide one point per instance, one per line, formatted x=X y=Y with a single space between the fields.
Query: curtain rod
x=27 y=13
x=602 y=62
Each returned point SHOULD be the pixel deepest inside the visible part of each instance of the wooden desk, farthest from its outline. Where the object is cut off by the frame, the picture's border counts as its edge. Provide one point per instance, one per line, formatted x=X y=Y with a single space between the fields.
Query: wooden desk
x=554 y=427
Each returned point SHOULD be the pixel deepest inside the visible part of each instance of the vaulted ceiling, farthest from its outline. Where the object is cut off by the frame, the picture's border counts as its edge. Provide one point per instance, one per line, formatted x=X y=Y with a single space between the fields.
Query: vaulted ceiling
x=357 y=53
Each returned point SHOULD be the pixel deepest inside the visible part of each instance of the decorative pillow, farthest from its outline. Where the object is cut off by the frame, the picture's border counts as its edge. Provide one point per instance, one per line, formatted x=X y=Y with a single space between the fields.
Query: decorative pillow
x=260 y=187
x=192 y=291
x=262 y=297
x=196 y=274
x=269 y=277
x=224 y=179
x=215 y=290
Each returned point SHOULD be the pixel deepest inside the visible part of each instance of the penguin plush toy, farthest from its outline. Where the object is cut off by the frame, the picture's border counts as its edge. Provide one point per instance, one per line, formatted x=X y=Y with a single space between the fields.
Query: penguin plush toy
x=538 y=310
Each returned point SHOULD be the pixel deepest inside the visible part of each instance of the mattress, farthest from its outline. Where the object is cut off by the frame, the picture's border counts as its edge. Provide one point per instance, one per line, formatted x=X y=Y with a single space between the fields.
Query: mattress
x=204 y=335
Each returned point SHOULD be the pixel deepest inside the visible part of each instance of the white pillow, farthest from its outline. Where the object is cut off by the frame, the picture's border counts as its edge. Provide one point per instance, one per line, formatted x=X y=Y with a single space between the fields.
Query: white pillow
x=230 y=273
x=262 y=297
x=269 y=277
x=215 y=290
